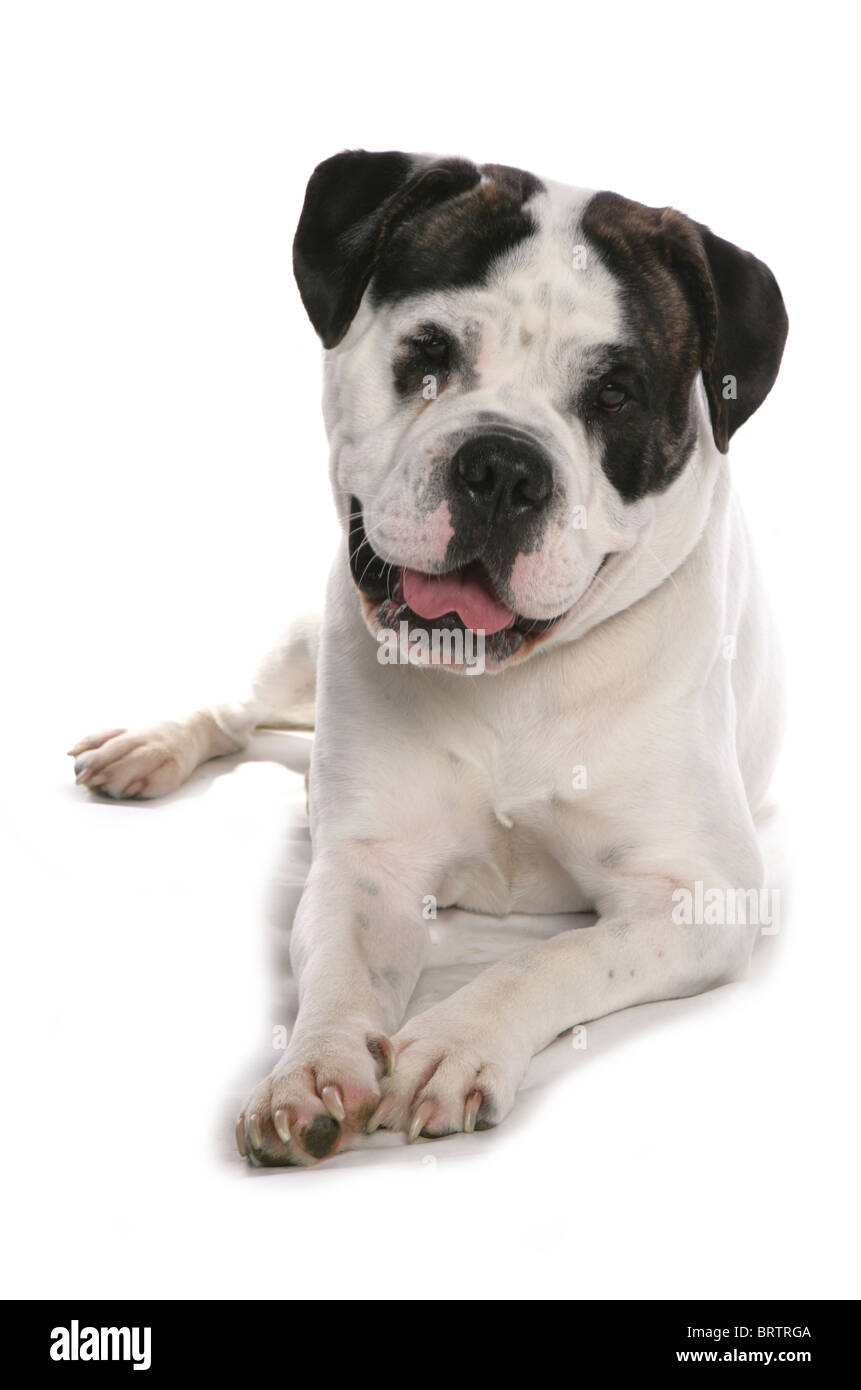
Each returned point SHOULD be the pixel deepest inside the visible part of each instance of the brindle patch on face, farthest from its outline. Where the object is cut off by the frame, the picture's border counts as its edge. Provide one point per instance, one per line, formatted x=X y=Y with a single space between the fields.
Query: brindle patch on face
x=645 y=444
x=455 y=244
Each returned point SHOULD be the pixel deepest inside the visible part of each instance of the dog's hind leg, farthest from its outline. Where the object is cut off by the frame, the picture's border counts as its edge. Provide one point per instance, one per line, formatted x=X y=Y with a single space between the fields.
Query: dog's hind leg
x=158 y=758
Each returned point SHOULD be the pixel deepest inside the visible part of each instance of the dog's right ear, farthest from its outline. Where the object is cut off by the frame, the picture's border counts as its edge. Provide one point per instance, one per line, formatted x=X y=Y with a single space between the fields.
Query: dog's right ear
x=353 y=203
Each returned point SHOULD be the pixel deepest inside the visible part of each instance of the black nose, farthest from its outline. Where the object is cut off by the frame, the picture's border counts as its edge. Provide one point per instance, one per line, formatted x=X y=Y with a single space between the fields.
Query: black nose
x=504 y=475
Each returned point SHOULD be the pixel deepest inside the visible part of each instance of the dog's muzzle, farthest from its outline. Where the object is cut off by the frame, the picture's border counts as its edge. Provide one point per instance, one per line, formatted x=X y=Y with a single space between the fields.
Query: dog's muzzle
x=464 y=598
x=499 y=486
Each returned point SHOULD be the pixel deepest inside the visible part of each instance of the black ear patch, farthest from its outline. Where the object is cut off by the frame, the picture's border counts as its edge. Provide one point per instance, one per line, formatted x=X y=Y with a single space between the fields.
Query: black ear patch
x=353 y=203
x=409 y=222
x=748 y=336
x=674 y=271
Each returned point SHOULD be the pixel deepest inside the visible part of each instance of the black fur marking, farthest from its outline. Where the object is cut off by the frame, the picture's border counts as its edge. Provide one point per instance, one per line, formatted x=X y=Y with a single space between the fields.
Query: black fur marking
x=353 y=203
x=645 y=444
x=369 y=215
x=456 y=243
x=752 y=326
x=692 y=303
x=413 y=364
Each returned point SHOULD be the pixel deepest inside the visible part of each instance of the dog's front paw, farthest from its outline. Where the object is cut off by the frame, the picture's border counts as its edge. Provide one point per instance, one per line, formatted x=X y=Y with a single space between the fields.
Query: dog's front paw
x=446 y=1080
x=315 y=1102
x=143 y=763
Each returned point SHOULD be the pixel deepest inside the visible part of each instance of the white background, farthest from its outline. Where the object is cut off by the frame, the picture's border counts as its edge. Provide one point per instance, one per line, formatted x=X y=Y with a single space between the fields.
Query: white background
x=165 y=508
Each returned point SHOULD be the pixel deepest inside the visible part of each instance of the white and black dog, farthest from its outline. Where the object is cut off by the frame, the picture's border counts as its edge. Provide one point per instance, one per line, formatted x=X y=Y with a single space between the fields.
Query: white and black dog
x=529 y=393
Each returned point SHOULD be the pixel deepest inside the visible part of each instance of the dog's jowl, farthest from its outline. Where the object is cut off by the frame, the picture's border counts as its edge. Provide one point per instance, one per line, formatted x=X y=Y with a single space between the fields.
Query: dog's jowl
x=530 y=390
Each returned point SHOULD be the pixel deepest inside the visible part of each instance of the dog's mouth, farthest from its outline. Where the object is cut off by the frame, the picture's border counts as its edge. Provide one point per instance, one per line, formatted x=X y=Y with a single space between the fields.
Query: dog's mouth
x=463 y=600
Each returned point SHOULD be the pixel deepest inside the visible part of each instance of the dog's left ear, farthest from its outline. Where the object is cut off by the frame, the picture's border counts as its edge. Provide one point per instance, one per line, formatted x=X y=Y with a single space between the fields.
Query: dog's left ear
x=741 y=317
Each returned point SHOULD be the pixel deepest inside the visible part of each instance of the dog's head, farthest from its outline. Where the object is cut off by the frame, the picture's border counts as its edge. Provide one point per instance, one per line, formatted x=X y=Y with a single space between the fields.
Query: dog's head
x=513 y=374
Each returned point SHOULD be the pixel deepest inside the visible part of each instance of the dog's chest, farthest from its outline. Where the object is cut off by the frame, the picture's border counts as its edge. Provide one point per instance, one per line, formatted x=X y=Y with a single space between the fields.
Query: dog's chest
x=517 y=873
x=510 y=799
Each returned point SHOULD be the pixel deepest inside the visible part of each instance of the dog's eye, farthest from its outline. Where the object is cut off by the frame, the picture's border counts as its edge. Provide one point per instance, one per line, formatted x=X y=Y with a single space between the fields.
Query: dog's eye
x=611 y=398
x=434 y=349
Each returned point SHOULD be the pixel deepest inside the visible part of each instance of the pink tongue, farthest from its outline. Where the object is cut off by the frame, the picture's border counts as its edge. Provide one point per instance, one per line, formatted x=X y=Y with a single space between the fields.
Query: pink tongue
x=431 y=595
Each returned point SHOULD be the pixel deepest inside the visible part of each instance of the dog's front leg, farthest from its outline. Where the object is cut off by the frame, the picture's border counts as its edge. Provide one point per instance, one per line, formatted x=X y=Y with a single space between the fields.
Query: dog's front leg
x=459 y=1064
x=357 y=950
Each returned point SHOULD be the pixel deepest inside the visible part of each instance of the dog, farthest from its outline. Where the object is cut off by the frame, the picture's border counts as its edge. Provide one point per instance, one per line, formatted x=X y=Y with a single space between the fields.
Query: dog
x=546 y=680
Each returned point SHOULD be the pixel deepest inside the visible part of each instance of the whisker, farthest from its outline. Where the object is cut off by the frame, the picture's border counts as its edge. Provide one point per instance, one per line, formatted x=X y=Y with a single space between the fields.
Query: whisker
x=667 y=573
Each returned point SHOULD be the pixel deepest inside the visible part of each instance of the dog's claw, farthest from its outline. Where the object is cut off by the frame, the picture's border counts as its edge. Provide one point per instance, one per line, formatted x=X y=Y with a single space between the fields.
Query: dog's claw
x=282 y=1127
x=240 y=1137
x=383 y=1053
x=417 y=1123
x=380 y=1115
x=331 y=1098
x=255 y=1132
x=470 y=1113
